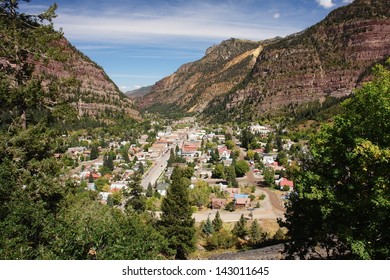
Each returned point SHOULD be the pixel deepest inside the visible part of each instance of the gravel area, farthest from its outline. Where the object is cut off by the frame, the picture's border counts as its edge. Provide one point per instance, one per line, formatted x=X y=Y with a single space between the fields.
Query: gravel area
x=267 y=253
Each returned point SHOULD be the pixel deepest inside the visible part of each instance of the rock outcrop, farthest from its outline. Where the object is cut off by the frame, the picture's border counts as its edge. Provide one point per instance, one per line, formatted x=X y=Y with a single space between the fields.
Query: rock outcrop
x=242 y=79
x=329 y=59
x=195 y=84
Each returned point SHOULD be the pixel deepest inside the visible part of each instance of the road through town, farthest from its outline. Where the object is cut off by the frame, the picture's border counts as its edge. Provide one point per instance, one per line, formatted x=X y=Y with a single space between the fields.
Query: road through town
x=155 y=171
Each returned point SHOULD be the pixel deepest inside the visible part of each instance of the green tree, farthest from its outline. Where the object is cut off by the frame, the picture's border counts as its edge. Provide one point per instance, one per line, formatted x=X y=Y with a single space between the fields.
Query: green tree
x=250 y=154
x=242 y=167
x=214 y=156
x=207 y=227
x=218 y=172
x=256 y=157
x=108 y=161
x=94 y=152
x=222 y=239
x=282 y=158
x=269 y=176
x=136 y=199
x=200 y=194
x=149 y=190
x=230 y=176
x=217 y=222
x=255 y=233
x=240 y=229
x=176 y=223
x=342 y=198
x=230 y=144
x=246 y=138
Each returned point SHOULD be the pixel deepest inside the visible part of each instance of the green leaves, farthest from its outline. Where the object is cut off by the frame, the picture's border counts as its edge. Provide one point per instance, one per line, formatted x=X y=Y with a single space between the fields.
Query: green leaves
x=343 y=192
x=177 y=224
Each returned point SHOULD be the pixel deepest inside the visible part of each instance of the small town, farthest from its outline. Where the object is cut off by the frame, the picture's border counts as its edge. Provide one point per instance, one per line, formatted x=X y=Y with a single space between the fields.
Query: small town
x=207 y=154
x=195 y=130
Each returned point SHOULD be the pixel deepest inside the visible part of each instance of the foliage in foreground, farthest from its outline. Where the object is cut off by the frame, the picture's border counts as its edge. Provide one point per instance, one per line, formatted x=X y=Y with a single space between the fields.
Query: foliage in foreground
x=342 y=201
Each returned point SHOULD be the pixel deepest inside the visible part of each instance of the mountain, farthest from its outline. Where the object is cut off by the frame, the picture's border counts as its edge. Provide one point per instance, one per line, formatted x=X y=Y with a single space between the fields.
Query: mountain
x=140 y=92
x=32 y=51
x=329 y=59
x=195 y=84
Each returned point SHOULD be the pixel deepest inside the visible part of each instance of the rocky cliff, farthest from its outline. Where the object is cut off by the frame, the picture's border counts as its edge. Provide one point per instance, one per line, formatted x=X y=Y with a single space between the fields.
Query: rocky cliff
x=31 y=50
x=85 y=84
x=329 y=59
x=242 y=79
x=195 y=84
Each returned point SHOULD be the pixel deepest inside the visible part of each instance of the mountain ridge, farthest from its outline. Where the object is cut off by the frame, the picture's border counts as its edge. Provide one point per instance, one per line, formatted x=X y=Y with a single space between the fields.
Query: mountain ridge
x=77 y=80
x=328 y=59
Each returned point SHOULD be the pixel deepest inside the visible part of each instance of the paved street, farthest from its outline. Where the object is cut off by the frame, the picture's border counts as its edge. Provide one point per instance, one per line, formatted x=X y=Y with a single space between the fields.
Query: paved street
x=155 y=171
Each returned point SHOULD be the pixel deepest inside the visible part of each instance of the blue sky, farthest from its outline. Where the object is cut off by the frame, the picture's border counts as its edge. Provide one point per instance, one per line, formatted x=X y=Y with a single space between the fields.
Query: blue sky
x=139 y=42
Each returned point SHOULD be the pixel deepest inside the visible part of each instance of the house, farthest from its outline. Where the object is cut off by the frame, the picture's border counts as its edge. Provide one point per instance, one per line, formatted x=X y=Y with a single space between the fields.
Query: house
x=240 y=195
x=75 y=151
x=190 y=151
x=284 y=182
x=242 y=203
x=118 y=185
x=221 y=138
x=205 y=173
x=232 y=191
x=268 y=159
x=224 y=152
x=94 y=175
x=218 y=203
x=259 y=129
x=162 y=188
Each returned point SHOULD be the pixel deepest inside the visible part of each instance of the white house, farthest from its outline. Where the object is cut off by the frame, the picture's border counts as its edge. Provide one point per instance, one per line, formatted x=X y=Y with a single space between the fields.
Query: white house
x=268 y=159
x=118 y=185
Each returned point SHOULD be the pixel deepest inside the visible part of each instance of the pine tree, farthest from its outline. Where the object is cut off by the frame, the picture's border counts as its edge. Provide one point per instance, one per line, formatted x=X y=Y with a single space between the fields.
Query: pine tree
x=108 y=161
x=176 y=223
x=240 y=230
x=94 y=152
x=207 y=227
x=217 y=222
x=136 y=200
x=255 y=232
x=149 y=191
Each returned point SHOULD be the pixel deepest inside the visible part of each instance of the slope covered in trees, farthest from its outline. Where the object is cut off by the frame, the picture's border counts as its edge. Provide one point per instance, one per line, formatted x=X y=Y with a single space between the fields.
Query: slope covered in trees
x=33 y=54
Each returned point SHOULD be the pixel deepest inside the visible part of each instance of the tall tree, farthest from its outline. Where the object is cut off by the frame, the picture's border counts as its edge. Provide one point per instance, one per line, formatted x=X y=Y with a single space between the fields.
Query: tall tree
x=136 y=199
x=176 y=223
x=242 y=167
x=255 y=233
x=217 y=222
x=343 y=192
x=149 y=190
x=207 y=227
x=94 y=152
x=240 y=229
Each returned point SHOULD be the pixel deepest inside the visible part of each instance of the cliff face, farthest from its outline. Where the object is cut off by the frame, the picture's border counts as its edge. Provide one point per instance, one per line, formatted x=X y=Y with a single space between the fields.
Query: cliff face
x=78 y=80
x=86 y=85
x=242 y=79
x=195 y=84
x=329 y=59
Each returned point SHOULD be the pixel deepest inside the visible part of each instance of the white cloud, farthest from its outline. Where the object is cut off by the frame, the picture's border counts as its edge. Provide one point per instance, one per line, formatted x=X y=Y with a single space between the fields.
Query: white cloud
x=137 y=87
x=171 y=26
x=123 y=88
x=348 y=1
x=326 y=3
